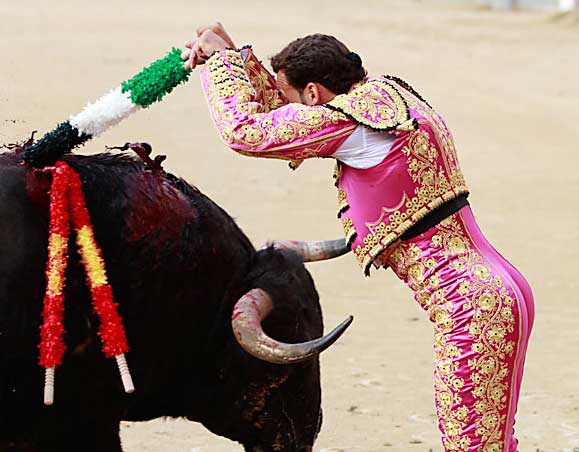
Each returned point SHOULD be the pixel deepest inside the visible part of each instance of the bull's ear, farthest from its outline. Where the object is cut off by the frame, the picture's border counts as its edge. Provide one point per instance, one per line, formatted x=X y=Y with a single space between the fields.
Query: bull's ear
x=313 y=251
x=251 y=310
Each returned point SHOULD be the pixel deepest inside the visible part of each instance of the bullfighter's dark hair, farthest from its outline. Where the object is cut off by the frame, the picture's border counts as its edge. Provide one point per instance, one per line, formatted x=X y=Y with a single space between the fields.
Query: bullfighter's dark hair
x=322 y=59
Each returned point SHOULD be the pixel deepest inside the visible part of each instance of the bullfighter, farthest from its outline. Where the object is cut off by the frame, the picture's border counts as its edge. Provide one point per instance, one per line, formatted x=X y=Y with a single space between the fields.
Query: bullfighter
x=402 y=201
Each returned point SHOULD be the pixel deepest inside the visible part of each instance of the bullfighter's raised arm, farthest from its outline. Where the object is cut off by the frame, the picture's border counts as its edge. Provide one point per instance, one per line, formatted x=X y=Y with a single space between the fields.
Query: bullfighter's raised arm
x=251 y=110
x=248 y=125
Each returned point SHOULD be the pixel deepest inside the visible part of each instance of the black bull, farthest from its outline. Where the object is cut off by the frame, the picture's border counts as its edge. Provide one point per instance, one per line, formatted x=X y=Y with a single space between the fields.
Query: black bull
x=177 y=264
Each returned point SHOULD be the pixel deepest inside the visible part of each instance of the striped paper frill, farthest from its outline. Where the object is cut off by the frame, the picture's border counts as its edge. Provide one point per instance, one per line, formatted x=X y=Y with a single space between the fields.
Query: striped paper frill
x=147 y=87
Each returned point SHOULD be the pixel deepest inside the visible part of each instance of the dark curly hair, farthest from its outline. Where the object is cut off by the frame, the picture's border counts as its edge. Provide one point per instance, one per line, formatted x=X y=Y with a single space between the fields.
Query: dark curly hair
x=322 y=59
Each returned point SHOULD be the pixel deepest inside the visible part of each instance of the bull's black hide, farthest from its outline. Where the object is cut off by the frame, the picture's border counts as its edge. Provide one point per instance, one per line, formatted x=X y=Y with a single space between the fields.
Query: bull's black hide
x=177 y=264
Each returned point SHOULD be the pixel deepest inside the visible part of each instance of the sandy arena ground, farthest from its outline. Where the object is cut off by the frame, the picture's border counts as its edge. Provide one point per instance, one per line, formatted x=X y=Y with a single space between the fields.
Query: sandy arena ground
x=508 y=86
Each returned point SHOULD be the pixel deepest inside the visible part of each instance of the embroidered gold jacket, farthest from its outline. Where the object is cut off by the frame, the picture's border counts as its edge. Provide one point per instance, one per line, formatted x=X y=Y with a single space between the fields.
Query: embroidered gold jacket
x=376 y=205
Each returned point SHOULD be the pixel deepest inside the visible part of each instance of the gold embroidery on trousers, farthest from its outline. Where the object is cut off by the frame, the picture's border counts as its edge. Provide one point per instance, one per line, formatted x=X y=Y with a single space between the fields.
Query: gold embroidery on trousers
x=408 y=262
x=492 y=307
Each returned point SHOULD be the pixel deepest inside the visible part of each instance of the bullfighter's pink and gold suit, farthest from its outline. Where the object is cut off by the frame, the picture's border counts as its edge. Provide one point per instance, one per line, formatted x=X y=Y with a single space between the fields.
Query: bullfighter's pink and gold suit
x=409 y=212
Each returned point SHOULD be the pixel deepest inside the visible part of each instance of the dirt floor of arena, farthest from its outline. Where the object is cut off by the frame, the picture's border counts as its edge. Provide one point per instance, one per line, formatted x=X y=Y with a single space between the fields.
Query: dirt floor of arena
x=507 y=85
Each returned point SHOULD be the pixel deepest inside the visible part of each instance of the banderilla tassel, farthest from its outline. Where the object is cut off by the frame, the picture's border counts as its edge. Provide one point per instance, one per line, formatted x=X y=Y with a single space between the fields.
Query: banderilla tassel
x=49 y=386
x=125 y=373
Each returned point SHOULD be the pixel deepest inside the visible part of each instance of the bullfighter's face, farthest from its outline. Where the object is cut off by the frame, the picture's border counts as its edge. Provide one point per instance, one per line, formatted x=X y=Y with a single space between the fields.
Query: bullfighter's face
x=313 y=93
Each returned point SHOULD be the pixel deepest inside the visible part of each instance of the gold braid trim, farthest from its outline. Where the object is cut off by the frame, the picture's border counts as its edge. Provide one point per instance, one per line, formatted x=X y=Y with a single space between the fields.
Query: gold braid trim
x=366 y=105
x=349 y=230
x=377 y=243
x=226 y=80
x=342 y=202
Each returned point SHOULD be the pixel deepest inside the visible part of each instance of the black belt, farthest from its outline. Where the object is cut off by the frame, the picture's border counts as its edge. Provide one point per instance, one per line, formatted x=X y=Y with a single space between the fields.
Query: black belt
x=436 y=216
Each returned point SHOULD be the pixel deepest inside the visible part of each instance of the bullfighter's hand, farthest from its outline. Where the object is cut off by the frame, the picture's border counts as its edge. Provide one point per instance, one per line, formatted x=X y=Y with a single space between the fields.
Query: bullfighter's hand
x=217 y=28
x=199 y=49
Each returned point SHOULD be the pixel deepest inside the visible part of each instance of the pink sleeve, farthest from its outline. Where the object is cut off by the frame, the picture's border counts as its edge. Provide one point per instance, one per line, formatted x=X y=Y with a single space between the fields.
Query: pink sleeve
x=242 y=113
x=262 y=81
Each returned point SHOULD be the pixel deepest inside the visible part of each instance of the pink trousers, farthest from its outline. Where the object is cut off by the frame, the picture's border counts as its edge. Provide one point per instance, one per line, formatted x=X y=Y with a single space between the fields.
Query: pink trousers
x=482 y=310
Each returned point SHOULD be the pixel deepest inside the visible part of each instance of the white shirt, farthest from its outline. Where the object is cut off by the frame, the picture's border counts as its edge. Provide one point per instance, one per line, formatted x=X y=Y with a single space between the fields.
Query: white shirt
x=364 y=148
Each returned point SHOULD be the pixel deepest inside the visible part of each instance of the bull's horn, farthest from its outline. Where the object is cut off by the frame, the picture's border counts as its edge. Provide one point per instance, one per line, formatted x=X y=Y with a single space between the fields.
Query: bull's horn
x=248 y=314
x=313 y=250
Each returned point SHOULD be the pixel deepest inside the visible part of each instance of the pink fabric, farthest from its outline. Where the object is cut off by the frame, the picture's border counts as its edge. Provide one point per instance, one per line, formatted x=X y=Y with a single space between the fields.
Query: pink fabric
x=253 y=121
x=419 y=174
x=384 y=201
x=482 y=310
